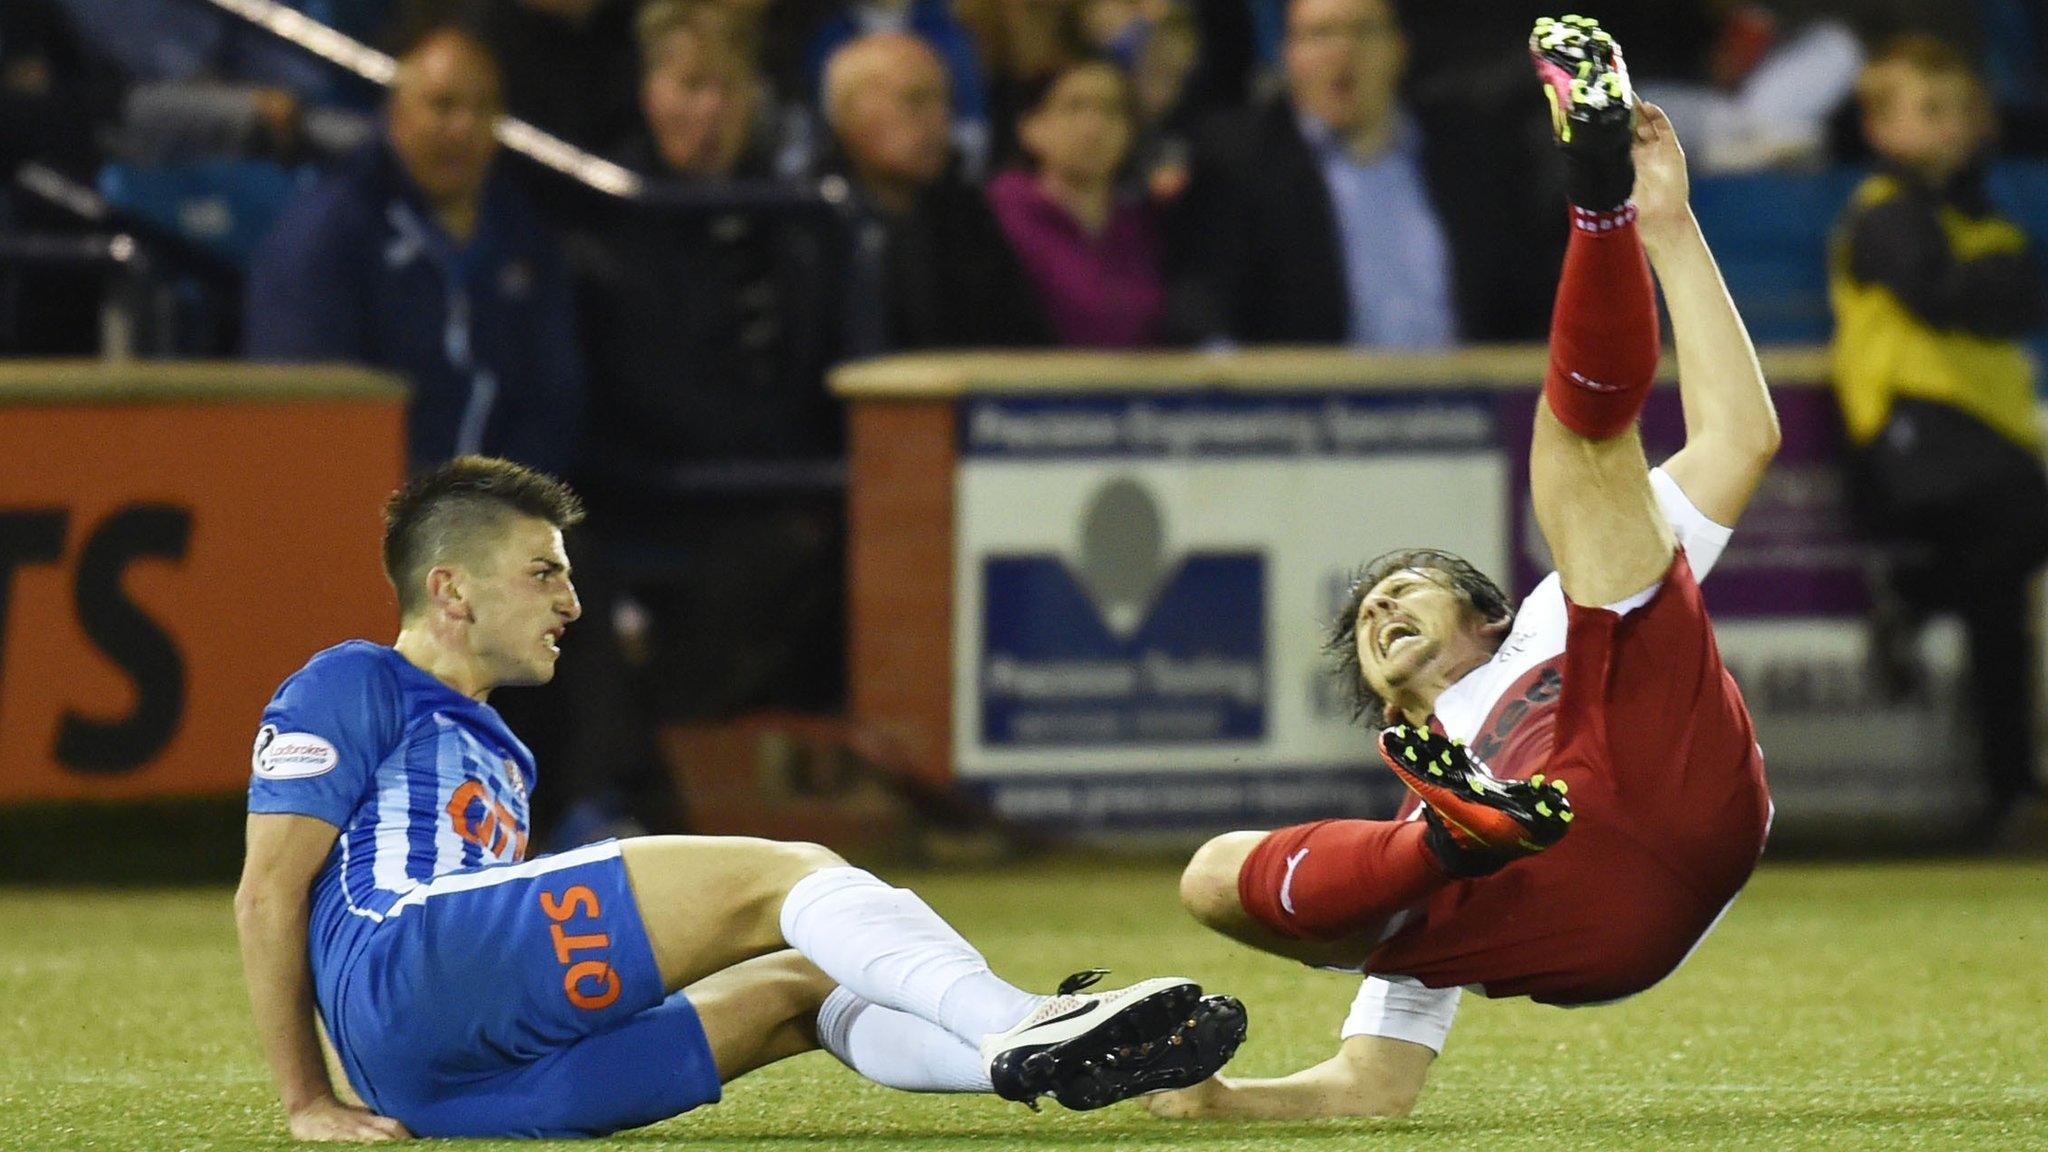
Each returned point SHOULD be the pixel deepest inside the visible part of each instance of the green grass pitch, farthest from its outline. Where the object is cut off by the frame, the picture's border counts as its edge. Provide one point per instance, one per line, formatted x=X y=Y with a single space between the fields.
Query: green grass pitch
x=1869 y=1006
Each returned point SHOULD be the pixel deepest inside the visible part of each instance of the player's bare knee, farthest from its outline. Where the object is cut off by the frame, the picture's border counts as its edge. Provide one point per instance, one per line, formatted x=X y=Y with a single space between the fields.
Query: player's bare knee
x=801 y=859
x=1208 y=885
x=775 y=866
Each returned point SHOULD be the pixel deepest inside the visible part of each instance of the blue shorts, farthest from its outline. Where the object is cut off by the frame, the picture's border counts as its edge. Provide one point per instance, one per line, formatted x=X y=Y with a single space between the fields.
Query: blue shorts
x=520 y=1000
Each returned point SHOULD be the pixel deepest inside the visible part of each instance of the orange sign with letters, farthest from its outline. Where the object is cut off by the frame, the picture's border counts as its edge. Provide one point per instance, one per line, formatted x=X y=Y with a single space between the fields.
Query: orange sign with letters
x=174 y=541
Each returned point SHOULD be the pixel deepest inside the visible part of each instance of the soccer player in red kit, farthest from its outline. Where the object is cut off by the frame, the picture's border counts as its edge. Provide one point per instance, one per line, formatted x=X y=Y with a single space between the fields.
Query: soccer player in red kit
x=1588 y=795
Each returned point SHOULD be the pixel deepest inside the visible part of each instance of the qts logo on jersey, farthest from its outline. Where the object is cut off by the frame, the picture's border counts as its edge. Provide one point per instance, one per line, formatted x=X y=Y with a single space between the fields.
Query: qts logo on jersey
x=484 y=822
x=588 y=978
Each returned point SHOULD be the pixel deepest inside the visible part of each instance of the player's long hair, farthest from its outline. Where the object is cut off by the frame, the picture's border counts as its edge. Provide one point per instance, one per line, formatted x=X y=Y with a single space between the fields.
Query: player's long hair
x=1476 y=588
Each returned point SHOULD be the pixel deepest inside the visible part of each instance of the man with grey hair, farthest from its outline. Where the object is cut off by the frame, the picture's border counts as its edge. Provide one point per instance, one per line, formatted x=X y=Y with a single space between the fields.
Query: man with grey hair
x=947 y=278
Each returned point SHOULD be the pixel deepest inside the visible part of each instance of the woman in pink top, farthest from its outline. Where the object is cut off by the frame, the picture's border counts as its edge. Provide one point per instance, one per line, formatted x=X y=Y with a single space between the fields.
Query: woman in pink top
x=1092 y=253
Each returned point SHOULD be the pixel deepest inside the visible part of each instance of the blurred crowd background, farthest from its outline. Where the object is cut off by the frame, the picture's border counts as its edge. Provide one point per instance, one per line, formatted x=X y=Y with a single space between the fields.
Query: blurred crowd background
x=725 y=198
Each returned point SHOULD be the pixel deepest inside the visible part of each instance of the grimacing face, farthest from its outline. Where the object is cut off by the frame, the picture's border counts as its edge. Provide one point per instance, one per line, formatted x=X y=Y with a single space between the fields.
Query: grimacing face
x=1412 y=617
x=520 y=601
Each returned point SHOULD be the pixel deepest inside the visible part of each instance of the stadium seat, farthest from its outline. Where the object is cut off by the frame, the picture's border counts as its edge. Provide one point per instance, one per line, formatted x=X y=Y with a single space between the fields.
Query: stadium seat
x=226 y=207
x=1770 y=232
x=2020 y=189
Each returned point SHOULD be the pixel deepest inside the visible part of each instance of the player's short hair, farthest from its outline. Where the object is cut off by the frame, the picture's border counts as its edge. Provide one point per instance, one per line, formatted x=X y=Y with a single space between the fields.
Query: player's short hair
x=449 y=512
x=1474 y=587
x=1922 y=54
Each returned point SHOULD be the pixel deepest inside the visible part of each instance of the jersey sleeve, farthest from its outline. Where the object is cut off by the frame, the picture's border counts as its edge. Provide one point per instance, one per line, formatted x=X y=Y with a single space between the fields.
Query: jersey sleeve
x=1401 y=1009
x=323 y=735
x=1702 y=539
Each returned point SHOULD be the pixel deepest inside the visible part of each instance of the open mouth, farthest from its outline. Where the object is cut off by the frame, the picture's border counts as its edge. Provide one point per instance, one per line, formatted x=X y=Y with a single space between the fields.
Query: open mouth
x=1393 y=633
x=553 y=639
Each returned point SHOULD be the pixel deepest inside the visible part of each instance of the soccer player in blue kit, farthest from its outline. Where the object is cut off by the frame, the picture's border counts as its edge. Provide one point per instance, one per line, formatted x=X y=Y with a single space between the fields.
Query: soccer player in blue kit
x=469 y=991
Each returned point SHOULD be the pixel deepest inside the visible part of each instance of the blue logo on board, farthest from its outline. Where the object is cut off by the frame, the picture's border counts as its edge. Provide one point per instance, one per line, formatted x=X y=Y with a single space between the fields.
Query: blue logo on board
x=1123 y=647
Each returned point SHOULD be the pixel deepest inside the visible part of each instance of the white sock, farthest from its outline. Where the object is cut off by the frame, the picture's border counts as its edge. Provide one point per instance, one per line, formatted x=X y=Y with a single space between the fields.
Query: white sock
x=888 y=947
x=896 y=1049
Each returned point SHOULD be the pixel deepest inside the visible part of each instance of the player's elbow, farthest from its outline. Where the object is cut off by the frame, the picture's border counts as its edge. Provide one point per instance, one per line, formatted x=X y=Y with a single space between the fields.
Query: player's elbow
x=261 y=900
x=252 y=904
x=1765 y=440
x=1745 y=452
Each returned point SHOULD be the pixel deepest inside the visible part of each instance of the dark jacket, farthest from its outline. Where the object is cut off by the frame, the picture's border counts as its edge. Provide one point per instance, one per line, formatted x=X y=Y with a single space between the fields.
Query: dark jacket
x=1899 y=241
x=709 y=332
x=940 y=276
x=1254 y=254
x=578 y=81
x=358 y=270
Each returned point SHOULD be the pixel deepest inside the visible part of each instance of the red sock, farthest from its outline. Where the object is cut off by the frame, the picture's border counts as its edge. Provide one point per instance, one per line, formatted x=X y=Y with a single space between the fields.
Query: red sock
x=1348 y=877
x=1603 y=329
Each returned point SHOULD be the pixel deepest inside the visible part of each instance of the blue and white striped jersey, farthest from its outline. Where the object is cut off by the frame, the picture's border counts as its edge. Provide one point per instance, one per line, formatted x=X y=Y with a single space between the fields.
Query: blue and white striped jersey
x=420 y=779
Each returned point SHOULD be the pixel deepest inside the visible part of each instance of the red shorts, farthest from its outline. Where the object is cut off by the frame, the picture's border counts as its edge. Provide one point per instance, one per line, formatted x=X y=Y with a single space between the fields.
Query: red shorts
x=1655 y=741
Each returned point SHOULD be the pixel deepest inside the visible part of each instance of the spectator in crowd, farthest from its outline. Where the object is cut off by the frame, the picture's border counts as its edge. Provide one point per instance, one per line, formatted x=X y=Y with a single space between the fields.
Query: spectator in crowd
x=697 y=95
x=1320 y=217
x=420 y=256
x=933 y=22
x=1091 y=253
x=710 y=329
x=947 y=278
x=1932 y=292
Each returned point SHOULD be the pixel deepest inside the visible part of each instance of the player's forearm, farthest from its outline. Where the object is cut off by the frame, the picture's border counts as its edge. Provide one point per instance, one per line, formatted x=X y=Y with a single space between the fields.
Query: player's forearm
x=1720 y=382
x=272 y=926
x=1328 y=1089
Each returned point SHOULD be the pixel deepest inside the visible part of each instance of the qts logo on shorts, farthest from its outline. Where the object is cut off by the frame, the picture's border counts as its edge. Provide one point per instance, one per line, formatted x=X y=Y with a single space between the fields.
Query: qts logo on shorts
x=591 y=982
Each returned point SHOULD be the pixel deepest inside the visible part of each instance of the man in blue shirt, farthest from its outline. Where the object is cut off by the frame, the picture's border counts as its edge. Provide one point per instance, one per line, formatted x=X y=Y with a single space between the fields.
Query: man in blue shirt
x=469 y=991
x=420 y=256
x=1330 y=216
